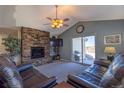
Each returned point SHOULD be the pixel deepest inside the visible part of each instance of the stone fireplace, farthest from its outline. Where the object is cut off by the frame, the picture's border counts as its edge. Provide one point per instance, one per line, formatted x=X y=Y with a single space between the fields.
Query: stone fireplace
x=35 y=46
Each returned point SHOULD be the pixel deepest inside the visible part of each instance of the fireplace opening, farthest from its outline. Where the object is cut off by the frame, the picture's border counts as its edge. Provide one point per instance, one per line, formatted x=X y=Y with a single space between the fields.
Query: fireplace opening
x=37 y=52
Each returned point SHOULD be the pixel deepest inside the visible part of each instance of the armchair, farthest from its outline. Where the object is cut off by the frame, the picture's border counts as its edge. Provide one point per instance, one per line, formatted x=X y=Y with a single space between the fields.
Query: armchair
x=100 y=76
x=22 y=76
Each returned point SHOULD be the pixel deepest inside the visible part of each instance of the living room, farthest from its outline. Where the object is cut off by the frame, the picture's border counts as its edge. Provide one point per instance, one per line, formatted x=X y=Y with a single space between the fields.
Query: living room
x=83 y=51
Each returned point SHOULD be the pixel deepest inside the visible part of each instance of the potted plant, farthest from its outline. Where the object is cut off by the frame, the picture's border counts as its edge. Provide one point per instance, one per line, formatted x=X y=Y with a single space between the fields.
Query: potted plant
x=13 y=47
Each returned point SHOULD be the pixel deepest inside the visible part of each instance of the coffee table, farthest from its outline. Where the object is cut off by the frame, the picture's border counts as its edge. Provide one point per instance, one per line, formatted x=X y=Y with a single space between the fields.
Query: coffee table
x=64 y=85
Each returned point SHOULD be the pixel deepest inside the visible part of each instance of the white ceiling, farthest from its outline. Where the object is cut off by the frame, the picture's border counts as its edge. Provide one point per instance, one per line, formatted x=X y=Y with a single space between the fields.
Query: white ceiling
x=35 y=15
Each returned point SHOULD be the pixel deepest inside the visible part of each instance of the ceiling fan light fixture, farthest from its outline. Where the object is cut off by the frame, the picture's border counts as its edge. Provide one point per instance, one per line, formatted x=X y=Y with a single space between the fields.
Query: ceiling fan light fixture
x=53 y=26
x=61 y=21
x=61 y=25
x=56 y=22
x=58 y=26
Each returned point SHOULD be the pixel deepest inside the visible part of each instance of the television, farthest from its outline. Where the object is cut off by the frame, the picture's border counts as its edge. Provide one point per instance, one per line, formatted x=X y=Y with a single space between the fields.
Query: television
x=56 y=42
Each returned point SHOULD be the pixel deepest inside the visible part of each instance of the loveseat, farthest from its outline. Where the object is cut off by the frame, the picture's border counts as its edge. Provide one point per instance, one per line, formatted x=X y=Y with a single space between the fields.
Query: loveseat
x=22 y=76
x=101 y=74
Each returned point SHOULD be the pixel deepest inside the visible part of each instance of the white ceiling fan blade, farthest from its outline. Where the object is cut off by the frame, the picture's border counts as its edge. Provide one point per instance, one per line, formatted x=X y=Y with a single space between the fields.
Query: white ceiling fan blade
x=49 y=18
x=47 y=24
x=65 y=25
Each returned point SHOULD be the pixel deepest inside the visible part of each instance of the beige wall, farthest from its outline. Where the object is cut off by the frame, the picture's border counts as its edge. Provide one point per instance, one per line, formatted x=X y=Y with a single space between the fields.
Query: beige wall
x=2 y=48
x=5 y=32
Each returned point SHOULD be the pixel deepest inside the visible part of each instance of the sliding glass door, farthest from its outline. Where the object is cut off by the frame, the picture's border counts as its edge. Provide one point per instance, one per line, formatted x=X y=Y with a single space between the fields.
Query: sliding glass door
x=88 y=49
x=77 y=49
x=83 y=49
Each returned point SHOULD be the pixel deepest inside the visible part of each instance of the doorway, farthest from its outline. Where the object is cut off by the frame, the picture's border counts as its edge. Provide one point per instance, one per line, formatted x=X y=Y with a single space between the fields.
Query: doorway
x=77 y=49
x=89 y=49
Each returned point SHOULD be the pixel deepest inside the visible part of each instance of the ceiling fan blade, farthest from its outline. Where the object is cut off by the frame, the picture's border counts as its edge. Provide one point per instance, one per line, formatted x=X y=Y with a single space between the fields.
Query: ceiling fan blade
x=65 y=25
x=47 y=24
x=49 y=18
x=66 y=19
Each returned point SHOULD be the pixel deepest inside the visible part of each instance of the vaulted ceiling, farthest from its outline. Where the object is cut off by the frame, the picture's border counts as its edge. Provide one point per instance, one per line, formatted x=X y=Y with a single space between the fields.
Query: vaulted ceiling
x=35 y=15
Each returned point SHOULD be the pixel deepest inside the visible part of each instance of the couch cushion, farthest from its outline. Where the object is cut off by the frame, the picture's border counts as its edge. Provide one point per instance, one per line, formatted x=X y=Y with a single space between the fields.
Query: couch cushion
x=115 y=73
x=108 y=80
x=11 y=77
x=9 y=74
x=118 y=67
x=96 y=70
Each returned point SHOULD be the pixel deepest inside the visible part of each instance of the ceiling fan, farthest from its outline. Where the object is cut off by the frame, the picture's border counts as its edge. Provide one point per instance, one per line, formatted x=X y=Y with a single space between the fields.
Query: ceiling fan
x=56 y=22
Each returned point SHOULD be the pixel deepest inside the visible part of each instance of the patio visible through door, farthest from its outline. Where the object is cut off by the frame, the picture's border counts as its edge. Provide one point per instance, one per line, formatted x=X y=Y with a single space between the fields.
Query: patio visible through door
x=88 y=49
x=77 y=49
x=83 y=49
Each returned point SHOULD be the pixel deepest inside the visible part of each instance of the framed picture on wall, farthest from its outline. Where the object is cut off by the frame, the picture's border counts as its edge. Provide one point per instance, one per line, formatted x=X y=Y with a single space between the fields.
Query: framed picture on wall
x=112 y=39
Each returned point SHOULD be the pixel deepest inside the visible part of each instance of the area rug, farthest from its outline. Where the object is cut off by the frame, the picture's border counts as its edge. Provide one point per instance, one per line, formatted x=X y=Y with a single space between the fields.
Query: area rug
x=61 y=70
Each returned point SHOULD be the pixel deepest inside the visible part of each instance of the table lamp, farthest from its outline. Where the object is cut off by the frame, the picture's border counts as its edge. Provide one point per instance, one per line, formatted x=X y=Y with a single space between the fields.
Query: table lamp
x=110 y=51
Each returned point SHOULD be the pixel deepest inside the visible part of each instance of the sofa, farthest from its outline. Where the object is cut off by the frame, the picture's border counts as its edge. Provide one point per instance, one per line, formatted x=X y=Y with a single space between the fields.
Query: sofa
x=23 y=76
x=102 y=74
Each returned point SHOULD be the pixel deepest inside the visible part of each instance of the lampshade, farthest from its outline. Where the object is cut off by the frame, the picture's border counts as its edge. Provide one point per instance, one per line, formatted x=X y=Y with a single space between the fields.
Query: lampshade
x=110 y=50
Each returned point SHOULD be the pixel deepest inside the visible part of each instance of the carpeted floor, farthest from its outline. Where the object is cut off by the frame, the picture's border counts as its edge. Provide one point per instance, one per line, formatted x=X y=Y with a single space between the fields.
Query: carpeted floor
x=61 y=69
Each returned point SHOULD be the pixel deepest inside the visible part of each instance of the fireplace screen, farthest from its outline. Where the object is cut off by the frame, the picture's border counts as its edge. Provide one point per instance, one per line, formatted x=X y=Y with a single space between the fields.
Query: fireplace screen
x=37 y=52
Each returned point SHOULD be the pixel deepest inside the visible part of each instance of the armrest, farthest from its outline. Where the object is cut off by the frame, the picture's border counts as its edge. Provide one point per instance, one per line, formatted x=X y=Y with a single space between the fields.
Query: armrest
x=25 y=67
x=85 y=80
x=49 y=83
x=103 y=62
